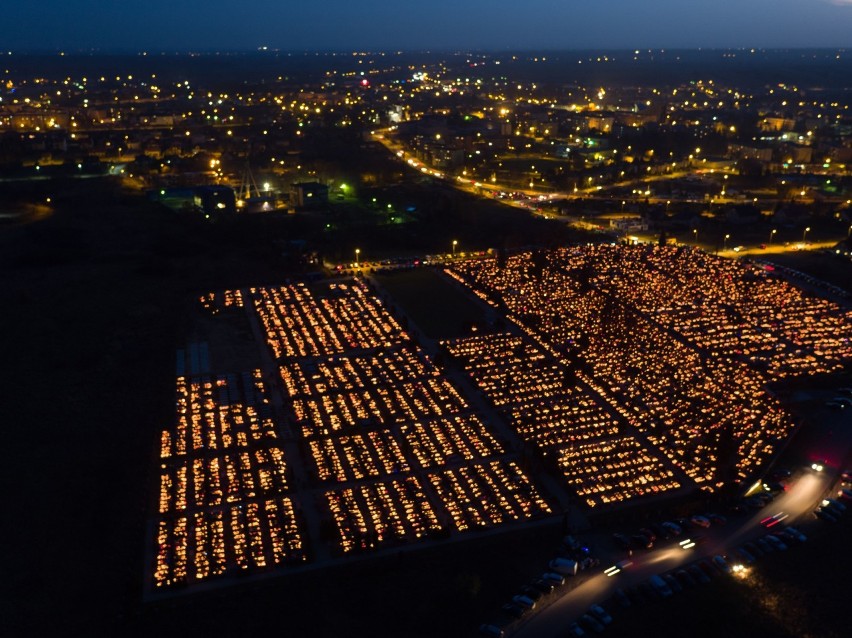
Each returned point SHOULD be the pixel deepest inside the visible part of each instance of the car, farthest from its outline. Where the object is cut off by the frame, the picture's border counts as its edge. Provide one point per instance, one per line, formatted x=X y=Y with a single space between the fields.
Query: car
x=641 y=541
x=589 y=623
x=490 y=630
x=524 y=601
x=774 y=486
x=720 y=562
x=672 y=582
x=831 y=509
x=765 y=547
x=753 y=549
x=531 y=592
x=718 y=519
x=684 y=523
x=575 y=630
x=543 y=586
x=835 y=504
x=661 y=531
x=622 y=541
x=622 y=598
x=647 y=533
x=698 y=574
x=835 y=405
x=556 y=579
x=746 y=555
x=794 y=534
x=684 y=577
x=675 y=530
x=824 y=515
x=775 y=541
x=700 y=521
x=600 y=613
x=754 y=503
x=845 y=494
x=513 y=610
x=708 y=568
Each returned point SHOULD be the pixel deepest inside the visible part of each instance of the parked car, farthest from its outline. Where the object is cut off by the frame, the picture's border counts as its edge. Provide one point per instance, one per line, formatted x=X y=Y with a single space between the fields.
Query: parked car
x=794 y=535
x=672 y=582
x=649 y=534
x=531 y=592
x=641 y=541
x=765 y=547
x=776 y=542
x=622 y=541
x=746 y=555
x=835 y=504
x=660 y=531
x=685 y=579
x=556 y=579
x=675 y=530
x=720 y=562
x=544 y=586
x=524 y=601
x=513 y=610
x=622 y=598
x=575 y=630
x=700 y=521
x=753 y=549
x=824 y=515
x=698 y=574
x=600 y=613
x=718 y=519
x=589 y=623
x=491 y=630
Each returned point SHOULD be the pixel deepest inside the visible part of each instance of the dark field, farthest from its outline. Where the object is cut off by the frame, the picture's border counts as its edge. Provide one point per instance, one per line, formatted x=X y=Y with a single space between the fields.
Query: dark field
x=435 y=305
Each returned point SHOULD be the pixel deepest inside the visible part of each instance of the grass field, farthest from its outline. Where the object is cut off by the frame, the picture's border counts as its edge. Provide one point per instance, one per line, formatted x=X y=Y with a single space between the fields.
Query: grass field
x=434 y=303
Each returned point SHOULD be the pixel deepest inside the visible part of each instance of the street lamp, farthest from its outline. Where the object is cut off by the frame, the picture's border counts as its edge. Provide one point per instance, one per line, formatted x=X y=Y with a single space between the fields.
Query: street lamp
x=725 y=242
x=771 y=235
x=455 y=243
x=357 y=253
x=805 y=234
x=695 y=234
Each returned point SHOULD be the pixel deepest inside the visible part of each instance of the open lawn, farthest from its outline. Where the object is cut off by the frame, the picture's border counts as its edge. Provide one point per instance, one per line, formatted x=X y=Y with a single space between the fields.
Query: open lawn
x=438 y=307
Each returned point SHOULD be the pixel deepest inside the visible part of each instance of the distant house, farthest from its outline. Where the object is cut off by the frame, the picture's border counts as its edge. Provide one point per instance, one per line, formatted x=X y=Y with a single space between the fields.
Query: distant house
x=308 y=194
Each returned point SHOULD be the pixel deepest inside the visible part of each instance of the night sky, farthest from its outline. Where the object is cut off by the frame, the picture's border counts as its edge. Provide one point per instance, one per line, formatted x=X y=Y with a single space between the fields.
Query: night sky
x=158 y=25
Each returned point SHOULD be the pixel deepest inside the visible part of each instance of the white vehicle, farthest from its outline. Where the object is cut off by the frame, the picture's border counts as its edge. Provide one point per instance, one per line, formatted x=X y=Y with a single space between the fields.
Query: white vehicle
x=564 y=566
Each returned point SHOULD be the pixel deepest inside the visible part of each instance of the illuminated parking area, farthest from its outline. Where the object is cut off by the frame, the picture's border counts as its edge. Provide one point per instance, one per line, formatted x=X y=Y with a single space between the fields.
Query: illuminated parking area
x=223 y=503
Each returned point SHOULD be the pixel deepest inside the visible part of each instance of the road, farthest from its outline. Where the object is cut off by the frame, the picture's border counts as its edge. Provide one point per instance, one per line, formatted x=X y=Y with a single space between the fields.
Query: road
x=804 y=492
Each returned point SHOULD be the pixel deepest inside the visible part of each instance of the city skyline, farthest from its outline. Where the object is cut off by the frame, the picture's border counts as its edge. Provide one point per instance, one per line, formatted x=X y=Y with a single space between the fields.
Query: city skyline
x=336 y=25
